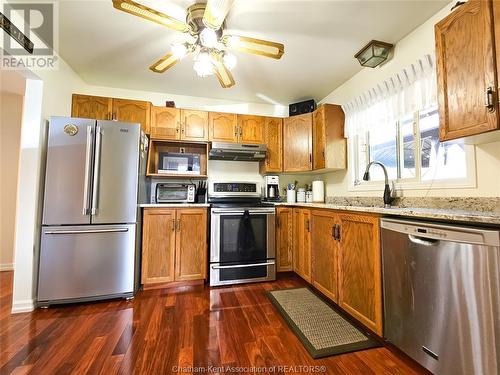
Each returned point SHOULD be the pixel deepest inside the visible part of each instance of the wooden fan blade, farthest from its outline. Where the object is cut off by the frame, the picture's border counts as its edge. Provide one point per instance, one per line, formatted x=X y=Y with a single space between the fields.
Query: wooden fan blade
x=142 y=11
x=166 y=62
x=254 y=46
x=223 y=74
x=216 y=12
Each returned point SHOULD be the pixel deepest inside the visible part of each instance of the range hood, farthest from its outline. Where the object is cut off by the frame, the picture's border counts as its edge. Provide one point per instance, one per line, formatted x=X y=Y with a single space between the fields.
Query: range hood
x=237 y=151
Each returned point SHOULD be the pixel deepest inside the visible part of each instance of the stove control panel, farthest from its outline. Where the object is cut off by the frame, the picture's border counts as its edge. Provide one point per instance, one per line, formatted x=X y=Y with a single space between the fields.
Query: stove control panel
x=235 y=187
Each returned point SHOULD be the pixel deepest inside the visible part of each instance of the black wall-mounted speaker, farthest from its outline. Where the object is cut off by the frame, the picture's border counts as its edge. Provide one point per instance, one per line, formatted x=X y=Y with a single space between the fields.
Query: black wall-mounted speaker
x=301 y=107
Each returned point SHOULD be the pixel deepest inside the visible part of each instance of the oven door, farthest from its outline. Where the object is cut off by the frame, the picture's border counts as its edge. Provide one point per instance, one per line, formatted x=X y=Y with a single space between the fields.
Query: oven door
x=242 y=235
x=171 y=193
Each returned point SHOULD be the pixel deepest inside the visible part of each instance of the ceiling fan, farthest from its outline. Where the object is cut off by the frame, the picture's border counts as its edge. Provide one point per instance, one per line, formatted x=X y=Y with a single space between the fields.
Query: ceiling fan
x=205 y=24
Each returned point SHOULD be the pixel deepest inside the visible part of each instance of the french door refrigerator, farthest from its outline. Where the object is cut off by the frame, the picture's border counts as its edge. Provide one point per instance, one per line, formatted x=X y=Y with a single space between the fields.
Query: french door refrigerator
x=94 y=177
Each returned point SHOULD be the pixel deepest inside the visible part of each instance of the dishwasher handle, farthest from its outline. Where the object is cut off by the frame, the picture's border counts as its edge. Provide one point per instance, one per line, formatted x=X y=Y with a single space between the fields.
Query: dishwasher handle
x=422 y=240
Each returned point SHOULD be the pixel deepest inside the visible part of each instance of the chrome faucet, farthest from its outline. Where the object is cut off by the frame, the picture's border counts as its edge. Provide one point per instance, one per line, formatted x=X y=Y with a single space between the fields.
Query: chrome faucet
x=387 y=190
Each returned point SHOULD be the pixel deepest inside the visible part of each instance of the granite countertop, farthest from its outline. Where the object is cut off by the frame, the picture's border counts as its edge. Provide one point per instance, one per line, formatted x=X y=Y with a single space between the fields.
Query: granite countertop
x=483 y=217
x=173 y=205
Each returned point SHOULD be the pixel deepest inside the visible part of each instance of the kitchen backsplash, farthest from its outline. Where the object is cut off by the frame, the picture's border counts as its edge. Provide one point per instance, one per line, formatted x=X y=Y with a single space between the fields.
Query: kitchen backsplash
x=483 y=204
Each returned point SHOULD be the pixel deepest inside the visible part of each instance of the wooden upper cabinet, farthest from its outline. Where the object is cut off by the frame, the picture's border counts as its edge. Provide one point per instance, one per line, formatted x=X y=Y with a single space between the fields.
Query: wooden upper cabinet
x=324 y=252
x=329 y=144
x=302 y=243
x=496 y=30
x=191 y=244
x=251 y=128
x=132 y=111
x=194 y=125
x=273 y=138
x=284 y=239
x=297 y=143
x=158 y=246
x=95 y=107
x=360 y=274
x=165 y=123
x=466 y=71
x=222 y=127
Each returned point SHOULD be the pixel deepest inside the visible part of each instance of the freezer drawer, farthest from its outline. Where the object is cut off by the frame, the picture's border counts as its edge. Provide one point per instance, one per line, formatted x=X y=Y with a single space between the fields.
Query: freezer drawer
x=81 y=263
x=441 y=295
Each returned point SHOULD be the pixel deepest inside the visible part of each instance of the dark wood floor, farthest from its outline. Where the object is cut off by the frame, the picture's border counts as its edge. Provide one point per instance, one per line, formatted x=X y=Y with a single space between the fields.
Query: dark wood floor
x=161 y=329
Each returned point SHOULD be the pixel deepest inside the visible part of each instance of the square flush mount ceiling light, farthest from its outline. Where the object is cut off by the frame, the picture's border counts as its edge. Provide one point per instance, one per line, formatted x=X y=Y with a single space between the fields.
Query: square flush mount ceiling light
x=374 y=53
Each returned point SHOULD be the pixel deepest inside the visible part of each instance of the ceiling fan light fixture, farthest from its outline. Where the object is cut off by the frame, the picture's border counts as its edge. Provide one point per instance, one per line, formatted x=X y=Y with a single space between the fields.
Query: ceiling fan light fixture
x=229 y=60
x=180 y=50
x=203 y=64
x=208 y=37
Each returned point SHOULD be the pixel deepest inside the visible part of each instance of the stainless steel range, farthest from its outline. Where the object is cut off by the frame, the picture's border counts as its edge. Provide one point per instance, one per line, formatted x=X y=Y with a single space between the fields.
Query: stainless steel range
x=242 y=245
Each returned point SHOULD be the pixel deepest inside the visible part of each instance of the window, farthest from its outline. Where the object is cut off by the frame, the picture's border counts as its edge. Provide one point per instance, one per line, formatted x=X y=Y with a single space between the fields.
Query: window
x=411 y=151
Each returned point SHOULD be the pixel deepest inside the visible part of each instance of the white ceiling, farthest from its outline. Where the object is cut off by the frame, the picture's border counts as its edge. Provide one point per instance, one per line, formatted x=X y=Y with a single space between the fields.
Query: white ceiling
x=111 y=48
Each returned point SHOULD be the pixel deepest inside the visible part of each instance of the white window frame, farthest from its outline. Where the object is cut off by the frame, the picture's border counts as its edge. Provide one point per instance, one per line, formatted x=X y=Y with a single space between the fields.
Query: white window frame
x=470 y=181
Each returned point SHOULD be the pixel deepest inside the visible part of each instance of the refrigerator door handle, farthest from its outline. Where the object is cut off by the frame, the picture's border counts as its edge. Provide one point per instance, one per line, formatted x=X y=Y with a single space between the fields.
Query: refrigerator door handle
x=88 y=160
x=97 y=166
x=85 y=231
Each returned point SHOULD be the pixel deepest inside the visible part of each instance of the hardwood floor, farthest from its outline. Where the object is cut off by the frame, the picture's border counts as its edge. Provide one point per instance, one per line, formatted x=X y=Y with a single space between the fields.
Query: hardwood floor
x=186 y=326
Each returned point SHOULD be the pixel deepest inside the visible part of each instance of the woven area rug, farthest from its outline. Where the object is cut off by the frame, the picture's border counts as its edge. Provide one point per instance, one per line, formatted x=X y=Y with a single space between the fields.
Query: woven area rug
x=319 y=327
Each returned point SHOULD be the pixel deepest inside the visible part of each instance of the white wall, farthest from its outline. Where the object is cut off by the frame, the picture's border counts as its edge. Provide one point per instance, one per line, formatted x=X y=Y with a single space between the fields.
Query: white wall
x=10 y=135
x=413 y=46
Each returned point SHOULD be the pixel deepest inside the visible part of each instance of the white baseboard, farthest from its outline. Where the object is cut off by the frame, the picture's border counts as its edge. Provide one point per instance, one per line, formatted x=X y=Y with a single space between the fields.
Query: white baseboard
x=7 y=267
x=27 y=305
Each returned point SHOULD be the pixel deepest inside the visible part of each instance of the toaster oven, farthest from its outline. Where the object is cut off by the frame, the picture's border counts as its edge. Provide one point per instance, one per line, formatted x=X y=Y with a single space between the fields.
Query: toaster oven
x=174 y=193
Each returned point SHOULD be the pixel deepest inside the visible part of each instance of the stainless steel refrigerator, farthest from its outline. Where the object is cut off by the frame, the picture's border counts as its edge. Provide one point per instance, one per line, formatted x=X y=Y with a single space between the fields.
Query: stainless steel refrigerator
x=94 y=181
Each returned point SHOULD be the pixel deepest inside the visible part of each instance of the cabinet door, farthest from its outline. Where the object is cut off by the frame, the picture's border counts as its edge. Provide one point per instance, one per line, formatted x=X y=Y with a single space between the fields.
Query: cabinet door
x=466 y=71
x=132 y=111
x=319 y=141
x=284 y=239
x=360 y=276
x=251 y=128
x=158 y=246
x=222 y=127
x=191 y=244
x=324 y=252
x=302 y=243
x=273 y=138
x=194 y=125
x=297 y=143
x=165 y=123
x=94 y=107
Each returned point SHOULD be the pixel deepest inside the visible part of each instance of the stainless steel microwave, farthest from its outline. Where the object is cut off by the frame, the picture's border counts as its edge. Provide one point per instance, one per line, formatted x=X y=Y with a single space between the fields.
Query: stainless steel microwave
x=179 y=163
x=174 y=193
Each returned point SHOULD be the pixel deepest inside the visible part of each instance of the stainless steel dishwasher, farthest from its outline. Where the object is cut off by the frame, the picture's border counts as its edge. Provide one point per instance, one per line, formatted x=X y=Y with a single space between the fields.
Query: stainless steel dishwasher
x=442 y=295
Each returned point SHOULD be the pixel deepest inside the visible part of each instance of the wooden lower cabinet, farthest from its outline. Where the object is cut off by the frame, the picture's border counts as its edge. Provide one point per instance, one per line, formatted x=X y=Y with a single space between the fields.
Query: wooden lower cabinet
x=302 y=243
x=360 y=273
x=324 y=252
x=158 y=246
x=174 y=245
x=284 y=239
x=191 y=245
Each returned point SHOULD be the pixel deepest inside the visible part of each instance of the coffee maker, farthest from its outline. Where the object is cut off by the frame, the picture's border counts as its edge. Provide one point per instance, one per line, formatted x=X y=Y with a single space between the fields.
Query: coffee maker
x=272 y=188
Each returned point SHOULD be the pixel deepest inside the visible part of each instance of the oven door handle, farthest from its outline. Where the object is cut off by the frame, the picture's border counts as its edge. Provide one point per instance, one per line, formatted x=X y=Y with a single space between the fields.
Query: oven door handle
x=243 y=265
x=241 y=212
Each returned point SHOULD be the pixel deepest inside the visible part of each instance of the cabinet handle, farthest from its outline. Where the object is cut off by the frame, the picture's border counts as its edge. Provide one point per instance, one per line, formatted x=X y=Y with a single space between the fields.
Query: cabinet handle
x=489 y=97
x=178 y=225
x=334 y=232
x=277 y=221
x=323 y=154
x=307 y=225
x=310 y=158
x=173 y=225
x=339 y=231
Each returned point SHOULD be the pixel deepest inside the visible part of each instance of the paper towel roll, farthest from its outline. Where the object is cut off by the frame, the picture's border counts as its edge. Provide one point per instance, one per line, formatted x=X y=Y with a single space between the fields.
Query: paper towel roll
x=318 y=191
